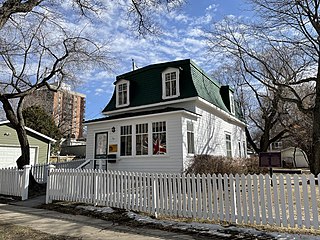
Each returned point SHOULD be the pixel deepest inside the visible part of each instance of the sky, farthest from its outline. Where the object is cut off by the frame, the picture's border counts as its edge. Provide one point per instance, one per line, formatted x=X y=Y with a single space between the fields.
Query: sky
x=181 y=37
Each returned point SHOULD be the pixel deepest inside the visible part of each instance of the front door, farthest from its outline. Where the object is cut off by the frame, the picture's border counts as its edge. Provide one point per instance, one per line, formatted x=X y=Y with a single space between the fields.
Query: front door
x=101 y=149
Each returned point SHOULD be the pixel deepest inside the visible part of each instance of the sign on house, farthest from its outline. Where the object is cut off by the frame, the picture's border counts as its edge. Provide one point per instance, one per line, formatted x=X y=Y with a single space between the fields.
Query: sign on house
x=270 y=159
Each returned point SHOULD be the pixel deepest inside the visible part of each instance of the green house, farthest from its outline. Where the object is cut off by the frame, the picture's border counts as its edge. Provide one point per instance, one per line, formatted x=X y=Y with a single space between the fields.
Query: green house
x=10 y=148
x=163 y=114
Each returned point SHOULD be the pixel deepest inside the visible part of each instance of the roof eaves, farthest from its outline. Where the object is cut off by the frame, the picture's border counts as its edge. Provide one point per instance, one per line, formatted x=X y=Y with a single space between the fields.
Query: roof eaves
x=31 y=130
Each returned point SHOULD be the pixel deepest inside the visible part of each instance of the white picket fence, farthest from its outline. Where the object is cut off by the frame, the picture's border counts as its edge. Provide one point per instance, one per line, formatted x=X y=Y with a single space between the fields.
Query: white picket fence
x=15 y=182
x=39 y=171
x=283 y=200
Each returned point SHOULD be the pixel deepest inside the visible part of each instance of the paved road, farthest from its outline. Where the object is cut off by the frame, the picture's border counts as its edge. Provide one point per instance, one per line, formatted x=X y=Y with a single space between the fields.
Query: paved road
x=80 y=226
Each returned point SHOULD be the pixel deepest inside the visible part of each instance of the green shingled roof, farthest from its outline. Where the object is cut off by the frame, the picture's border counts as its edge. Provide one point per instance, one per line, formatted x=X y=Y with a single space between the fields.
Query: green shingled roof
x=146 y=85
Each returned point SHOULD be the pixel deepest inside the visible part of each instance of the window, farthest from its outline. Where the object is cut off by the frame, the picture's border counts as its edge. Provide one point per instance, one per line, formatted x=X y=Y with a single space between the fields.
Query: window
x=170 y=83
x=232 y=106
x=122 y=93
x=228 y=145
x=101 y=145
x=239 y=148
x=159 y=138
x=142 y=139
x=126 y=141
x=190 y=137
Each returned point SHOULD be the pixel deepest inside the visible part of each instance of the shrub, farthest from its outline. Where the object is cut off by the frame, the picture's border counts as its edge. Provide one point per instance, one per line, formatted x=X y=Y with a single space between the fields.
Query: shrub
x=218 y=164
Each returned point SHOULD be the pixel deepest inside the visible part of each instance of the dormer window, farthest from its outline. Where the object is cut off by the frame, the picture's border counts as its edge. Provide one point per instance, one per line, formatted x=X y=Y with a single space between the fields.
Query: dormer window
x=232 y=105
x=170 y=83
x=122 y=93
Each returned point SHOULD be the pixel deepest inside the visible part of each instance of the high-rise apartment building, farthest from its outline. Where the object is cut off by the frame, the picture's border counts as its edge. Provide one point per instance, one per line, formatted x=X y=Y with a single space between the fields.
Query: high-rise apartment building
x=66 y=106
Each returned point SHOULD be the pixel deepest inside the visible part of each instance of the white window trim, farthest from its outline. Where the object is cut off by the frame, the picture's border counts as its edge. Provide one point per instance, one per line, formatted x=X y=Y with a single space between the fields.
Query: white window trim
x=189 y=131
x=169 y=70
x=231 y=150
x=150 y=142
x=232 y=103
x=122 y=81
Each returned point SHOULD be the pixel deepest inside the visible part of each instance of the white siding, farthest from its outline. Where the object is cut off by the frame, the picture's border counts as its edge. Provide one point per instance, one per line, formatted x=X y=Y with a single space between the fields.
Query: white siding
x=210 y=131
x=171 y=162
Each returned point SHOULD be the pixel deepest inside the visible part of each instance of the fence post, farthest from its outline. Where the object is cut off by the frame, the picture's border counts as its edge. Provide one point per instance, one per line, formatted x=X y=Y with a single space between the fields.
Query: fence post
x=25 y=182
x=50 y=169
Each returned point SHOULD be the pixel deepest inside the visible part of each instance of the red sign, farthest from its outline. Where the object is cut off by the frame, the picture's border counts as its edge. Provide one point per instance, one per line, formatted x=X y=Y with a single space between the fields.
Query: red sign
x=270 y=159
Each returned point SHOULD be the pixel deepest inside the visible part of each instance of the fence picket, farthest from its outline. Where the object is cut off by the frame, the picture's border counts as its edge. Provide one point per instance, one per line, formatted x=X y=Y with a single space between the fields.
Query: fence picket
x=315 y=214
x=244 y=198
x=262 y=199
x=305 y=201
x=290 y=201
x=194 y=199
x=238 y=199
x=269 y=199
x=298 y=200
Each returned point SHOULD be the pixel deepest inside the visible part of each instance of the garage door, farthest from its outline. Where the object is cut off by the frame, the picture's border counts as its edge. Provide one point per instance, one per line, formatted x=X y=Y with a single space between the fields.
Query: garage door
x=9 y=156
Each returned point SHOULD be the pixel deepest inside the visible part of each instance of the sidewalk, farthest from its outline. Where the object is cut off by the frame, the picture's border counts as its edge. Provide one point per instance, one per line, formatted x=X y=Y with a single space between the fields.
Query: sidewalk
x=24 y=213
x=78 y=226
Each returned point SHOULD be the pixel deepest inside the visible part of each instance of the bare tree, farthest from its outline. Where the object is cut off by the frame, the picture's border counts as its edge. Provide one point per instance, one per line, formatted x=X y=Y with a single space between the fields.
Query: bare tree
x=289 y=32
x=263 y=107
x=37 y=49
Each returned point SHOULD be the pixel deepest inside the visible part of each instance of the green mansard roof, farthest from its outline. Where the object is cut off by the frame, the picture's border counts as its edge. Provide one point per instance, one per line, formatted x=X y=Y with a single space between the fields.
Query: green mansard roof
x=146 y=85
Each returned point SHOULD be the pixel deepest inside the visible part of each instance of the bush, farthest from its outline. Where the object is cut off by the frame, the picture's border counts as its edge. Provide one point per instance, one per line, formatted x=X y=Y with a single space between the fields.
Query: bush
x=218 y=164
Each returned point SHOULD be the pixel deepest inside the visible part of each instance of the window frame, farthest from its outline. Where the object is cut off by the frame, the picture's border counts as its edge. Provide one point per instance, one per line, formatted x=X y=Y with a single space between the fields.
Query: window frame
x=96 y=137
x=190 y=133
x=143 y=132
x=232 y=104
x=228 y=143
x=161 y=130
x=118 y=84
x=164 y=81
x=128 y=143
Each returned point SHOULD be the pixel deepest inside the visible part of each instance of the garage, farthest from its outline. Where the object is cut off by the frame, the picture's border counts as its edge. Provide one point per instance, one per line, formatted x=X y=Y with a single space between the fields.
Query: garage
x=9 y=155
x=40 y=146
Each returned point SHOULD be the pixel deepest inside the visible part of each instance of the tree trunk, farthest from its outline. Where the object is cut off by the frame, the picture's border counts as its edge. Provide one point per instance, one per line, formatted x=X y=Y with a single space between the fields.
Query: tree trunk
x=315 y=159
x=16 y=120
x=24 y=159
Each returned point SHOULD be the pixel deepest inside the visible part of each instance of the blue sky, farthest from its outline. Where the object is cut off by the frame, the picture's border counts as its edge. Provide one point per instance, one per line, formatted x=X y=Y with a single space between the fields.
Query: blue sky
x=181 y=38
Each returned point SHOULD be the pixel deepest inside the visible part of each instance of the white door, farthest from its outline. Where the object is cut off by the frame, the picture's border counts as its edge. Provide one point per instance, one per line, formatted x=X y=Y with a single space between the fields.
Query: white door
x=10 y=154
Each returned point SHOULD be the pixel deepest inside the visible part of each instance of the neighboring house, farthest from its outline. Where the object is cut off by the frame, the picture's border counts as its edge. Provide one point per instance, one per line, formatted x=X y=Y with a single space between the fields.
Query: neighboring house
x=10 y=148
x=161 y=115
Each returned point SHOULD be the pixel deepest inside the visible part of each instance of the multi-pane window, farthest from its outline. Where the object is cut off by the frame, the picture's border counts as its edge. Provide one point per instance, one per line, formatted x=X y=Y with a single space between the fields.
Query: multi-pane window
x=159 y=136
x=142 y=139
x=122 y=93
x=171 y=84
x=126 y=140
x=228 y=145
x=190 y=137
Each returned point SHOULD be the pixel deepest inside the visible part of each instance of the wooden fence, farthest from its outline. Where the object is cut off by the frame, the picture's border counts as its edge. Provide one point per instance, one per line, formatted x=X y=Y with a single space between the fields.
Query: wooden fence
x=283 y=200
x=14 y=182
x=39 y=171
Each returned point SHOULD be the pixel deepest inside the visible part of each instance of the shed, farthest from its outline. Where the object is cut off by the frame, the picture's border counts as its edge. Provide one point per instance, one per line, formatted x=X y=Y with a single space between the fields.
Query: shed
x=10 y=151
x=294 y=157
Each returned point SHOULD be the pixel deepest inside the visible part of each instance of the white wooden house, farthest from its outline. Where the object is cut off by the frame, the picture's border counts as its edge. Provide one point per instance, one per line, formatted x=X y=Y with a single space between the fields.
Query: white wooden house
x=161 y=115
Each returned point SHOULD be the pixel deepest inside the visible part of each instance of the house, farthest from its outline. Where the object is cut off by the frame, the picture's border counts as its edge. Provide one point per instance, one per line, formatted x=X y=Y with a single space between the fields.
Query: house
x=161 y=115
x=10 y=148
